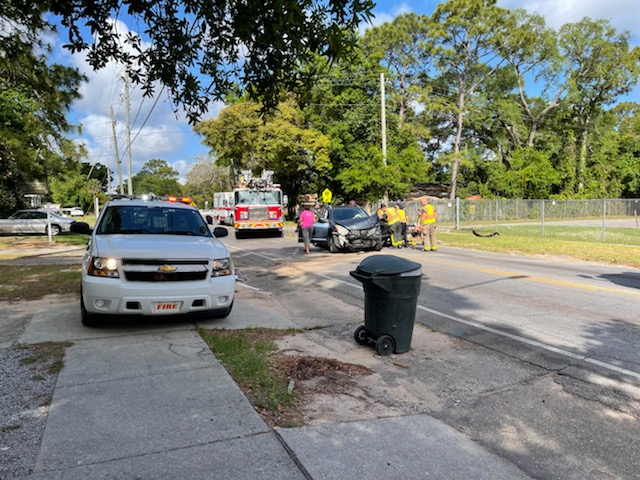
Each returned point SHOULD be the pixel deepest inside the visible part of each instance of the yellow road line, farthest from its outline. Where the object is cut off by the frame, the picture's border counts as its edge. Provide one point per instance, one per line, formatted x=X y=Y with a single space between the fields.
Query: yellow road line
x=551 y=281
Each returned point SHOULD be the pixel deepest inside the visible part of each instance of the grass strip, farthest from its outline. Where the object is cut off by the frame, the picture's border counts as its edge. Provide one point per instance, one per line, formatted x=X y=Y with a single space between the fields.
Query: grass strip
x=249 y=357
x=31 y=282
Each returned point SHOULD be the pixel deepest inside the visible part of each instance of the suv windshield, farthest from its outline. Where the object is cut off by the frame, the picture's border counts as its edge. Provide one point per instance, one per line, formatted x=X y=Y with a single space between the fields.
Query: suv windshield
x=258 y=197
x=141 y=219
x=348 y=213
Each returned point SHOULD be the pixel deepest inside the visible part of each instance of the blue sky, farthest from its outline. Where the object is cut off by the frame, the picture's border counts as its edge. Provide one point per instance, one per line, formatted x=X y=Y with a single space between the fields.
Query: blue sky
x=157 y=132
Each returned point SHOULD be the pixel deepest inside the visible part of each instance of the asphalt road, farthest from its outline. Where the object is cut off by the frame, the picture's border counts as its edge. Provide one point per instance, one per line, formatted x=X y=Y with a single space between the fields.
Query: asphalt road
x=548 y=370
x=581 y=310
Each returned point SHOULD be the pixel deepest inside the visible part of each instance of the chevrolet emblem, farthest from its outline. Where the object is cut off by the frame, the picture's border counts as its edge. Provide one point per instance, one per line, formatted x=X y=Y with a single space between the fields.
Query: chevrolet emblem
x=167 y=269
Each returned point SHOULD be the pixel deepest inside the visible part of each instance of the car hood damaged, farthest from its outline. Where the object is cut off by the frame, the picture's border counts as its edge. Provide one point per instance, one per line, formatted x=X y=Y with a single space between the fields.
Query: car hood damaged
x=359 y=223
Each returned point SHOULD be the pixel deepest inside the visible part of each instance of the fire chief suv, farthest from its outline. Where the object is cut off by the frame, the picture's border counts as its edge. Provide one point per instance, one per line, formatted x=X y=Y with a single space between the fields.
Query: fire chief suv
x=152 y=257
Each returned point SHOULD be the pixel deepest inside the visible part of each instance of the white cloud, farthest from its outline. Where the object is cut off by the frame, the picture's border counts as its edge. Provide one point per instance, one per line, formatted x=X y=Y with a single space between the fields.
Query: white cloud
x=623 y=14
x=156 y=130
x=380 y=17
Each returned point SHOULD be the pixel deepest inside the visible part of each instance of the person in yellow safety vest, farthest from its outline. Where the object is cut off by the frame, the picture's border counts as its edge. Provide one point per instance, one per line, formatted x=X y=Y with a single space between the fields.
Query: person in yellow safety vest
x=427 y=217
x=380 y=211
x=395 y=226
x=403 y=221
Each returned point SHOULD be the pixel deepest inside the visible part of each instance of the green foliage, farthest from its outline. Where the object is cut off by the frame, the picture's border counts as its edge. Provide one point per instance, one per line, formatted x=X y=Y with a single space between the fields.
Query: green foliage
x=531 y=175
x=34 y=98
x=73 y=189
x=156 y=176
x=199 y=49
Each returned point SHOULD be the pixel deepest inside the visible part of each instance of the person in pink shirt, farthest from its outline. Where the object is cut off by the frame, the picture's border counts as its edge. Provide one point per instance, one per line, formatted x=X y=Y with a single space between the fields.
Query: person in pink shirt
x=305 y=223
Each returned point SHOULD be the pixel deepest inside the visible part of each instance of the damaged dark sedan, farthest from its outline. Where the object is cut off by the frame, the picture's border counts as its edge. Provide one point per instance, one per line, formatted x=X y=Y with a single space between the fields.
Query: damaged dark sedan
x=348 y=229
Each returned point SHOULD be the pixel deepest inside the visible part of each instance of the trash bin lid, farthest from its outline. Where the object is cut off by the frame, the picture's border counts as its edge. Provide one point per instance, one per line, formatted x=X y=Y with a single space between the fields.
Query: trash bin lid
x=387 y=265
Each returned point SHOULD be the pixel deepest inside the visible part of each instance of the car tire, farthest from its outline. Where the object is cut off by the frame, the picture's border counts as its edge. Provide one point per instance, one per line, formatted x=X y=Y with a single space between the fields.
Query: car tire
x=333 y=248
x=55 y=230
x=379 y=246
x=88 y=319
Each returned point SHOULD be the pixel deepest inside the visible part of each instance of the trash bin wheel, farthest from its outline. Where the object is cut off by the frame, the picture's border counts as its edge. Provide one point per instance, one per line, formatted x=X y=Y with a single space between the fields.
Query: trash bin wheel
x=385 y=345
x=360 y=335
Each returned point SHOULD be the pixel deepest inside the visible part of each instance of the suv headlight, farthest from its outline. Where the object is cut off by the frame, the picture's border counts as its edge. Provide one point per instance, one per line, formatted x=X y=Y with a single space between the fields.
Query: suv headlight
x=222 y=267
x=103 y=267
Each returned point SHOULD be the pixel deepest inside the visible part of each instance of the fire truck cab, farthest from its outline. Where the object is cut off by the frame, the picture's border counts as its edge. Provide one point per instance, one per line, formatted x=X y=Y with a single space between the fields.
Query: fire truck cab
x=258 y=205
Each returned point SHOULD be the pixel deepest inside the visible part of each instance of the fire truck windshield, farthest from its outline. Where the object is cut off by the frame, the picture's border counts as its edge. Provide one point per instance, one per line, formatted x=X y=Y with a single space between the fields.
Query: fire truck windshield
x=258 y=197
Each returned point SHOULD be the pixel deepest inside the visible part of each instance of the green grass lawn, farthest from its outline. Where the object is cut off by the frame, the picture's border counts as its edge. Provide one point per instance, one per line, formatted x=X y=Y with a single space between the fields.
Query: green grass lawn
x=573 y=242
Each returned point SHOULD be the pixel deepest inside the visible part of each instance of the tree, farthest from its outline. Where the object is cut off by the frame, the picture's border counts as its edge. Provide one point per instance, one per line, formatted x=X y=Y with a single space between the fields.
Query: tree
x=345 y=106
x=405 y=48
x=200 y=49
x=157 y=177
x=467 y=53
x=531 y=49
x=205 y=178
x=298 y=155
x=602 y=67
x=73 y=189
x=98 y=172
x=281 y=141
x=233 y=135
x=34 y=99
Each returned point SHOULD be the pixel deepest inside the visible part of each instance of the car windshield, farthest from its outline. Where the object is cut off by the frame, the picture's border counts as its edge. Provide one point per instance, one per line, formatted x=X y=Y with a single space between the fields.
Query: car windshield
x=348 y=213
x=141 y=219
x=258 y=197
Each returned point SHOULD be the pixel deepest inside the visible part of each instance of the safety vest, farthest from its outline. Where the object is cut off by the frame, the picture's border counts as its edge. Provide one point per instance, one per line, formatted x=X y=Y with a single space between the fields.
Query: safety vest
x=427 y=214
x=402 y=215
x=392 y=216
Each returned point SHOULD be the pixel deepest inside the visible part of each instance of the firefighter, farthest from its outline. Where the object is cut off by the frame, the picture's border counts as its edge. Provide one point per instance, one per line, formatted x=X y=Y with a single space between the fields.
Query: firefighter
x=381 y=211
x=403 y=221
x=427 y=217
x=395 y=226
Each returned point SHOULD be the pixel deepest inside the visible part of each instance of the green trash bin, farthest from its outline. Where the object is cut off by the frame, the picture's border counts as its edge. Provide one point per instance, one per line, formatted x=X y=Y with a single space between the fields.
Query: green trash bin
x=391 y=289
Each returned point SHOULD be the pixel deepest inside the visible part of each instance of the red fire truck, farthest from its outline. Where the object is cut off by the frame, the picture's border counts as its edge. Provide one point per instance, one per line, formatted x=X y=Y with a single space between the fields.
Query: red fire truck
x=258 y=205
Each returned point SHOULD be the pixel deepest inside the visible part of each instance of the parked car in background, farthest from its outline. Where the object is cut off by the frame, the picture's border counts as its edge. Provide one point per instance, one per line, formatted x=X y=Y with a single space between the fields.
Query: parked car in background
x=35 y=221
x=348 y=229
x=151 y=257
x=73 y=211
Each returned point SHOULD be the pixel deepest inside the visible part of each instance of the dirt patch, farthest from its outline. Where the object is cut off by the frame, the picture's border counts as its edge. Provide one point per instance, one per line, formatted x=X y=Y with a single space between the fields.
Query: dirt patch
x=310 y=377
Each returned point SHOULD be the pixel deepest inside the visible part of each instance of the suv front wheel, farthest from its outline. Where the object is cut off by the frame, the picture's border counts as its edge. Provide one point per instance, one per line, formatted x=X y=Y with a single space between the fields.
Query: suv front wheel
x=88 y=319
x=222 y=313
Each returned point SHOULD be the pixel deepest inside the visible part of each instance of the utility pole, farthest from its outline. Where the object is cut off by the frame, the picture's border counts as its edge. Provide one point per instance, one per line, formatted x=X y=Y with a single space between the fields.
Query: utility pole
x=383 y=117
x=128 y=131
x=115 y=144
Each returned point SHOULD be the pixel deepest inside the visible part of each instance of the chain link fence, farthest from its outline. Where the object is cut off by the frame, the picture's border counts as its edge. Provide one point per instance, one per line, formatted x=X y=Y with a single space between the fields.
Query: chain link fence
x=609 y=220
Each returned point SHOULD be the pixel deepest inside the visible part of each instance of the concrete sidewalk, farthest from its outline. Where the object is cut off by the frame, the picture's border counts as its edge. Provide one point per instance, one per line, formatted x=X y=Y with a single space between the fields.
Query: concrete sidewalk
x=151 y=402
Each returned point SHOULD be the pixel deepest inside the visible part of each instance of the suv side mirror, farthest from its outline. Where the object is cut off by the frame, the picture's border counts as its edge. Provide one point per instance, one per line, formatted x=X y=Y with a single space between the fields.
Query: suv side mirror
x=219 y=232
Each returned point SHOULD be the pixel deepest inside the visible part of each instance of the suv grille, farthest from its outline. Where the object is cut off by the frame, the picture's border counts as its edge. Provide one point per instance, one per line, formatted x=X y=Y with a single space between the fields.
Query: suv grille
x=148 y=270
x=164 y=277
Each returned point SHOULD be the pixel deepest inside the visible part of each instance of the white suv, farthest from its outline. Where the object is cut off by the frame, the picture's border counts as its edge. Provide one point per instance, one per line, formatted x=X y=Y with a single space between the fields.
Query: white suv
x=154 y=257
